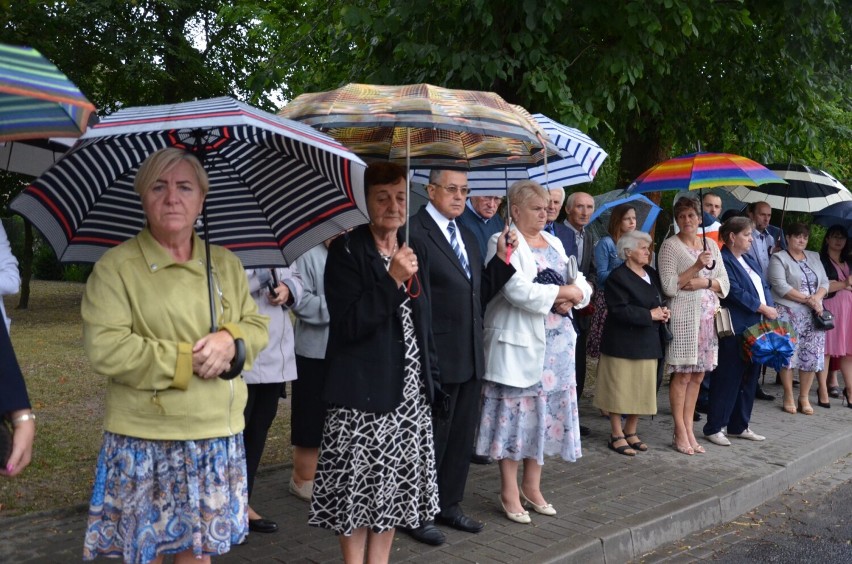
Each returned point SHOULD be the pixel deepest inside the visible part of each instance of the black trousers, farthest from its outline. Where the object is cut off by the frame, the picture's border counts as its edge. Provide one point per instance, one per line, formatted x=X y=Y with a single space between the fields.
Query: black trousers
x=580 y=361
x=454 y=437
x=261 y=407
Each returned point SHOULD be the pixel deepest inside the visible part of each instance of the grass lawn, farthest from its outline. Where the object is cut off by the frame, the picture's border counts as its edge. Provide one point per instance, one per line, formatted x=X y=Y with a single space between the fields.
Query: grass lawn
x=68 y=400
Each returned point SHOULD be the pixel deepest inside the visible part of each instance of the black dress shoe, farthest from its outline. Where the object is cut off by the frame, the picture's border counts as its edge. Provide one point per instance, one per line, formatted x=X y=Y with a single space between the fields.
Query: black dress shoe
x=262 y=526
x=761 y=395
x=461 y=522
x=480 y=459
x=696 y=416
x=427 y=533
x=585 y=431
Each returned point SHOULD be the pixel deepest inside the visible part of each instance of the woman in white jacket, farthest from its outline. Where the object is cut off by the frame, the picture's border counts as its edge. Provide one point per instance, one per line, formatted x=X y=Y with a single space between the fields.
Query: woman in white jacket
x=275 y=291
x=529 y=405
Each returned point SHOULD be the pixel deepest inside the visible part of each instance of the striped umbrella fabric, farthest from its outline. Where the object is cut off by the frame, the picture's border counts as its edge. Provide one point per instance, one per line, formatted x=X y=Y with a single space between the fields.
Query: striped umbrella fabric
x=808 y=189
x=36 y=99
x=699 y=171
x=427 y=125
x=578 y=162
x=277 y=187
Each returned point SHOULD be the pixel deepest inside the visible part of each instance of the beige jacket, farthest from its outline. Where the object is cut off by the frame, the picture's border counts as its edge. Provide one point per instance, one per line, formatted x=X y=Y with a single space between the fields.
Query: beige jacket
x=685 y=306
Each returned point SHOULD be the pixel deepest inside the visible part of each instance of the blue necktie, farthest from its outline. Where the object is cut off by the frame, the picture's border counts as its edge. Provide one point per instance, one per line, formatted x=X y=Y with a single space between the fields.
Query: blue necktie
x=549 y=228
x=454 y=243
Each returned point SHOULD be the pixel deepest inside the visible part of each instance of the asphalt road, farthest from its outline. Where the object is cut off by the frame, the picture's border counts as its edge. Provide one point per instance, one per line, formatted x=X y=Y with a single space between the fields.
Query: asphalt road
x=811 y=522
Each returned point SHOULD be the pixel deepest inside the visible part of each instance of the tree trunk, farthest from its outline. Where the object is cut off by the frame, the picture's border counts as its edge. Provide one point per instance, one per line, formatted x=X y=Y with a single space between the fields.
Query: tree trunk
x=26 y=266
x=640 y=151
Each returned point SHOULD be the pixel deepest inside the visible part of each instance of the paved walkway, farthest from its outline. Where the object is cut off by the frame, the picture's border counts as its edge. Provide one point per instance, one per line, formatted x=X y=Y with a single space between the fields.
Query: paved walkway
x=612 y=508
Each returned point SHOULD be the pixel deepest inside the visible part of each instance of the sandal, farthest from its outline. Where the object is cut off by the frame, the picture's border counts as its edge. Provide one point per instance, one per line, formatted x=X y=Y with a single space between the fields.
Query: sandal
x=806 y=409
x=638 y=445
x=698 y=449
x=626 y=450
x=683 y=450
x=834 y=392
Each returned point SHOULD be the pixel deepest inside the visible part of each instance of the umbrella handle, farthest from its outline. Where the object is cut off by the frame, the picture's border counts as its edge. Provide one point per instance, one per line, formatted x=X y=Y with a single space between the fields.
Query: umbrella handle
x=238 y=362
x=712 y=264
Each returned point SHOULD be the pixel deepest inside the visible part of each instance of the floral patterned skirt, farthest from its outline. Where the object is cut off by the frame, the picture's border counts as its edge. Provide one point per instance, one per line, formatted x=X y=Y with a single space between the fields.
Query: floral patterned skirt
x=165 y=497
x=809 y=355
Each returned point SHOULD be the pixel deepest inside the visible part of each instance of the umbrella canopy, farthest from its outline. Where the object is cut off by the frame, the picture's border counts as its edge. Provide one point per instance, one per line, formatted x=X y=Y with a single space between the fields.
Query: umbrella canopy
x=36 y=99
x=770 y=342
x=33 y=156
x=836 y=214
x=808 y=189
x=277 y=187
x=578 y=162
x=646 y=210
x=424 y=126
x=699 y=171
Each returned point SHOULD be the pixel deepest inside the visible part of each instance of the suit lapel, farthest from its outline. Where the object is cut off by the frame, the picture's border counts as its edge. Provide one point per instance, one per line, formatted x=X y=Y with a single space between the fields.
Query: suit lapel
x=440 y=241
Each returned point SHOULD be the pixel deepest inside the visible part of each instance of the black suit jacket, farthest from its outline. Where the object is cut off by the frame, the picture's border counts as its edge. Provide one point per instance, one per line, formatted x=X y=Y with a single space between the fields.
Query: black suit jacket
x=13 y=390
x=629 y=331
x=586 y=265
x=365 y=352
x=457 y=301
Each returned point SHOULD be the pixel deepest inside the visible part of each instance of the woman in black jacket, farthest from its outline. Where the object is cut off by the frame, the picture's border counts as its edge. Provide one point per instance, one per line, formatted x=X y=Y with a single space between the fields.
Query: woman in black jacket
x=376 y=467
x=631 y=345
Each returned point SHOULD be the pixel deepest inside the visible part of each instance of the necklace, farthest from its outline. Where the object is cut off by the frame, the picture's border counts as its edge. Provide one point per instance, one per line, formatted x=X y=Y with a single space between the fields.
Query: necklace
x=391 y=253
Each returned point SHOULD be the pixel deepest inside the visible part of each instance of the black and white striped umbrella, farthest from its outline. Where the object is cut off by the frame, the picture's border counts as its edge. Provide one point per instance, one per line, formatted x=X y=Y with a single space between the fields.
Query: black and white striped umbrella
x=808 y=189
x=277 y=187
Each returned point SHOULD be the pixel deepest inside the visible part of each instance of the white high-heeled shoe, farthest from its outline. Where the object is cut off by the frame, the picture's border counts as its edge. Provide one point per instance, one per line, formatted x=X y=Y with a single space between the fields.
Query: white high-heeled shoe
x=546 y=509
x=523 y=517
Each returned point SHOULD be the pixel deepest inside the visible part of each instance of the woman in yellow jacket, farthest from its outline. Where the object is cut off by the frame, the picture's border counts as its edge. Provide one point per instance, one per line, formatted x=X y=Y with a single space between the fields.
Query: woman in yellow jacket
x=170 y=478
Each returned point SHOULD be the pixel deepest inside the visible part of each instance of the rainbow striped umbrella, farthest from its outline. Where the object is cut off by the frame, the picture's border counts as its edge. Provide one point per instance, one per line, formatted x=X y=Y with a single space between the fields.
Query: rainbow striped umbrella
x=37 y=101
x=699 y=171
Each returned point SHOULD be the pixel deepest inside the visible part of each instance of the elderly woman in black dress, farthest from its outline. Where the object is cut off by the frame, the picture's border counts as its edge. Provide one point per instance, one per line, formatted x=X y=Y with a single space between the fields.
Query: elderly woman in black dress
x=631 y=345
x=376 y=468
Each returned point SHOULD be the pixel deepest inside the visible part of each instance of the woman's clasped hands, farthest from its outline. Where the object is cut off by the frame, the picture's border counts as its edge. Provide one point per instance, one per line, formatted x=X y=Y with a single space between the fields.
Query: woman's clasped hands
x=212 y=354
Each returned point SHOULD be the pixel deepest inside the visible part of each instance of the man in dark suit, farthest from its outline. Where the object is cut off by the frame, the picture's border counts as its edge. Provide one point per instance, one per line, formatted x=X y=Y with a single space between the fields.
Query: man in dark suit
x=563 y=233
x=458 y=286
x=579 y=207
x=481 y=217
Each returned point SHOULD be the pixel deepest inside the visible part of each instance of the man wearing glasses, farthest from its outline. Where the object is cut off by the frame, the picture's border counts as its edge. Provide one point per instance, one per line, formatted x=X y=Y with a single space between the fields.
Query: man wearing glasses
x=458 y=286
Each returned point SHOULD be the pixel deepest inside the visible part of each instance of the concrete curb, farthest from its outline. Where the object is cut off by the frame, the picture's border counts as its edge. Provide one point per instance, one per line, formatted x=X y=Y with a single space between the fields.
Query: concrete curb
x=646 y=531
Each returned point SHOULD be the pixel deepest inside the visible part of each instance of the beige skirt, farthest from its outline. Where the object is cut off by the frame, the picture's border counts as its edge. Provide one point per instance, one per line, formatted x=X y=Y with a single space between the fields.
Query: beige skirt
x=626 y=386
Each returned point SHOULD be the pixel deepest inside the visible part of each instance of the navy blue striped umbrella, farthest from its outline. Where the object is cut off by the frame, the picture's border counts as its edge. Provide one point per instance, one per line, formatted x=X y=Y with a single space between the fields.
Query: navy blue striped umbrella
x=277 y=187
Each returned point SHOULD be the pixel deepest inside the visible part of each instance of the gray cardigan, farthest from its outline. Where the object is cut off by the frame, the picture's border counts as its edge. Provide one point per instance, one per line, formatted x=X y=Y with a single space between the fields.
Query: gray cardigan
x=785 y=274
x=311 y=311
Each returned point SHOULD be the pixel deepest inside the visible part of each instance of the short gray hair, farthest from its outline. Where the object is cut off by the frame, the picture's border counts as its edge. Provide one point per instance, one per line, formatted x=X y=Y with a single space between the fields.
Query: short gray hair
x=629 y=241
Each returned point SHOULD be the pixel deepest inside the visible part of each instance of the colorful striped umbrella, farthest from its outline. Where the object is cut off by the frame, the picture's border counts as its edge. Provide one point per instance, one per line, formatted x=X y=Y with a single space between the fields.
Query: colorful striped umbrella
x=425 y=126
x=578 y=162
x=699 y=171
x=36 y=99
x=277 y=187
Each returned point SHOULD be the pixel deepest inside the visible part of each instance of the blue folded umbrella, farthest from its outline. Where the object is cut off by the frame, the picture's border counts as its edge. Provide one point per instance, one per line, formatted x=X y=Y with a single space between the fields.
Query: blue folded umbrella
x=772 y=350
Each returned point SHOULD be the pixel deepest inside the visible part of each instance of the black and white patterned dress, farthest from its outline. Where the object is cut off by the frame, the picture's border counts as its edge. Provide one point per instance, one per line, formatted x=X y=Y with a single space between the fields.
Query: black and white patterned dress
x=377 y=470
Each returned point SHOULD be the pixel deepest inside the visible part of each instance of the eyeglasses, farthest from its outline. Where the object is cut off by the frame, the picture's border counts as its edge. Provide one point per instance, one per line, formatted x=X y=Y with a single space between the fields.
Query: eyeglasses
x=453 y=189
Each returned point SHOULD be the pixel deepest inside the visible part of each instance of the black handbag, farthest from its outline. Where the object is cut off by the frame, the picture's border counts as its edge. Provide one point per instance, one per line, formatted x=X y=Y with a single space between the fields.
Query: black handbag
x=5 y=441
x=823 y=321
x=666 y=333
